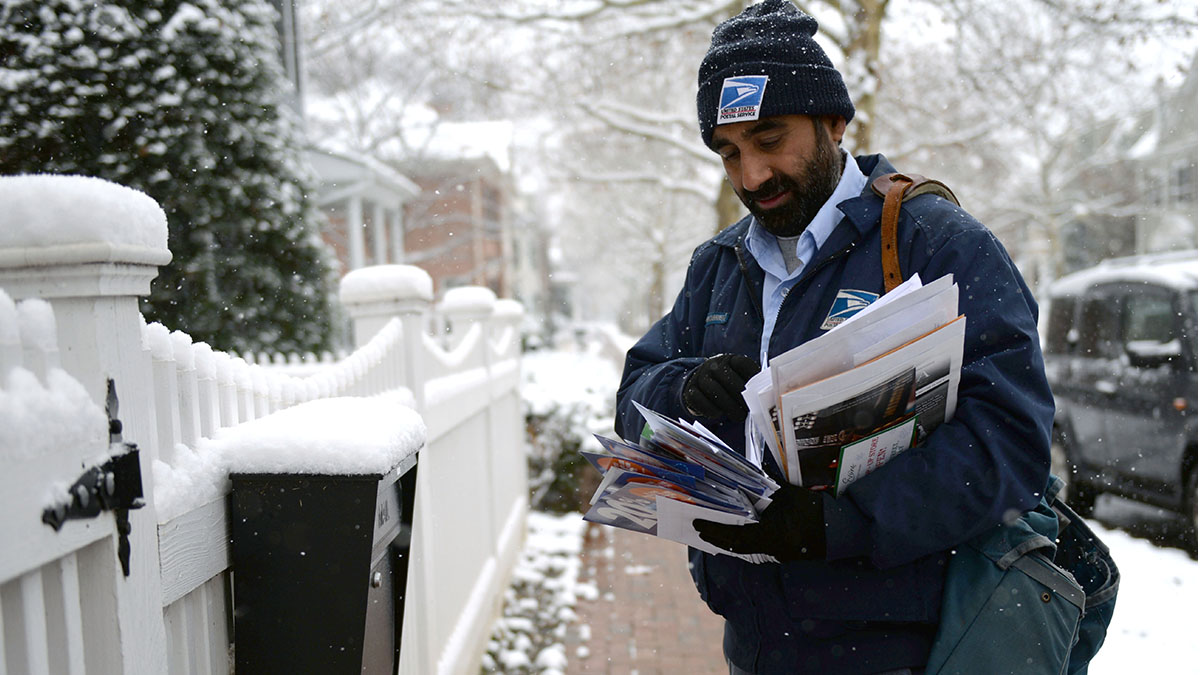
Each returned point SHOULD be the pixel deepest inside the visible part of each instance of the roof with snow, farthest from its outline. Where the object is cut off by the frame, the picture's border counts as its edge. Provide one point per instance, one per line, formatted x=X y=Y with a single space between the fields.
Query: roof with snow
x=465 y=140
x=343 y=173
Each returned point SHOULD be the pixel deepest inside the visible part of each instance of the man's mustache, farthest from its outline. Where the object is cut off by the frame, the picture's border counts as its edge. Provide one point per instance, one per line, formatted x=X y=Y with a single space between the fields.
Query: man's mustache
x=771 y=188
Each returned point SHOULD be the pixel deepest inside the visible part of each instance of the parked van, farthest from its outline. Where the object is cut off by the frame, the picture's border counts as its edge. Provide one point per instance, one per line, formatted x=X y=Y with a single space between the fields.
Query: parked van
x=1120 y=348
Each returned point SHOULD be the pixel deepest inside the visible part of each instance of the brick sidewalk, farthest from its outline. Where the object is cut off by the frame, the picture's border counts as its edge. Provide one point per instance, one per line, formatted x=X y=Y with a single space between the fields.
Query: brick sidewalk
x=647 y=618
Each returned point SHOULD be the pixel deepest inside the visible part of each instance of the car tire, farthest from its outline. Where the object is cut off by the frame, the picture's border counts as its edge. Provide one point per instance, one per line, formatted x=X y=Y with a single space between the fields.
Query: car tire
x=1077 y=493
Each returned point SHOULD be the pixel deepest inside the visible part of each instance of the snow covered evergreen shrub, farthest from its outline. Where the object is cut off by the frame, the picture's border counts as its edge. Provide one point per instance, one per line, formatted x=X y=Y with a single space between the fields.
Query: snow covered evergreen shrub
x=187 y=102
x=555 y=465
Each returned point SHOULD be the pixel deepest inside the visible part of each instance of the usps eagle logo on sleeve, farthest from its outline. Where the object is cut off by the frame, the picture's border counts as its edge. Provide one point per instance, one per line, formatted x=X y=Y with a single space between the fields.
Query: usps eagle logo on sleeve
x=847 y=303
x=741 y=98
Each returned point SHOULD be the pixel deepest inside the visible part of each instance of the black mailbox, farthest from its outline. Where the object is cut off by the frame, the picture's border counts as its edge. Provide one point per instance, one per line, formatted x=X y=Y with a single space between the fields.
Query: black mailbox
x=320 y=564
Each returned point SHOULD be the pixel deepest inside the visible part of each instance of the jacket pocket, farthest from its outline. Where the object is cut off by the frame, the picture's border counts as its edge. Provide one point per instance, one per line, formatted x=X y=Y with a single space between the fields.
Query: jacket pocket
x=857 y=591
x=717 y=579
x=715 y=339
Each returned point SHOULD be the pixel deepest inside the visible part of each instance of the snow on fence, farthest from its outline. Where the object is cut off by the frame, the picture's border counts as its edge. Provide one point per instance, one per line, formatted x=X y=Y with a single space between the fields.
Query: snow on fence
x=78 y=253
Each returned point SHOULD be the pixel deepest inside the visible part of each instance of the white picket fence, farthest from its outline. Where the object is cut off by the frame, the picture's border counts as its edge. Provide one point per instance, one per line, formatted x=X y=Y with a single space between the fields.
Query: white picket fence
x=65 y=605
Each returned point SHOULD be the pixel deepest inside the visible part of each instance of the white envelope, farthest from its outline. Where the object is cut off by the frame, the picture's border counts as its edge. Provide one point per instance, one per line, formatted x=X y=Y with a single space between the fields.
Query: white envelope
x=675 y=523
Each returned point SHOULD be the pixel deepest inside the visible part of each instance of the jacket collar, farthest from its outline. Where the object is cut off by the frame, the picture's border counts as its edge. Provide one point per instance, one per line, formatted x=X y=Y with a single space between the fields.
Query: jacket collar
x=865 y=210
x=734 y=236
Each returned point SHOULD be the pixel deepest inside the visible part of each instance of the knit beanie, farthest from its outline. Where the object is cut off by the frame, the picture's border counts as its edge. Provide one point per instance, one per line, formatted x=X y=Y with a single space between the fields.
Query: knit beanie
x=764 y=62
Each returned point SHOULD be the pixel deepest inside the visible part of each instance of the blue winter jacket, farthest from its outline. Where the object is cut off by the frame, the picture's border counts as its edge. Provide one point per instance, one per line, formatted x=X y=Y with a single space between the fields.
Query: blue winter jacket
x=872 y=604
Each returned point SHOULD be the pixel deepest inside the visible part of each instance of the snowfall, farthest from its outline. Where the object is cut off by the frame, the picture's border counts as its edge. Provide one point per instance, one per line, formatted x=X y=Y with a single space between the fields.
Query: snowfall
x=1153 y=628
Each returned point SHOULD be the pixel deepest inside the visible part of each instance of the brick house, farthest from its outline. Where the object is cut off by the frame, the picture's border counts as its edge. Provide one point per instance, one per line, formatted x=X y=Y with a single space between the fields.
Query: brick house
x=457 y=227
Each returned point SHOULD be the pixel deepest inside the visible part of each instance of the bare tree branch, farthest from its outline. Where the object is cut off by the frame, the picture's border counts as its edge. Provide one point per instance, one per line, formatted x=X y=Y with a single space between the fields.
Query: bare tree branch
x=687 y=124
x=663 y=14
x=616 y=121
x=659 y=180
x=333 y=34
x=959 y=137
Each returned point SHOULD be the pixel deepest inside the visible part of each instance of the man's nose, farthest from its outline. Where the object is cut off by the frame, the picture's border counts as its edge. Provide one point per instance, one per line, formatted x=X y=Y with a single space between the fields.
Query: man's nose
x=755 y=172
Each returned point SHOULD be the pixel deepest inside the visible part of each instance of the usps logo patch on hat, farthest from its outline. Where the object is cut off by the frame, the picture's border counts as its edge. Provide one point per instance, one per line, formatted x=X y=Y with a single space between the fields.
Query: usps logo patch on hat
x=741 y=98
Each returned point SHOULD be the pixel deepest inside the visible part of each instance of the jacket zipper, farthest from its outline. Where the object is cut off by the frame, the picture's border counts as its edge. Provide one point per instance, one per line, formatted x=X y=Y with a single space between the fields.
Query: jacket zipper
x=755 y=298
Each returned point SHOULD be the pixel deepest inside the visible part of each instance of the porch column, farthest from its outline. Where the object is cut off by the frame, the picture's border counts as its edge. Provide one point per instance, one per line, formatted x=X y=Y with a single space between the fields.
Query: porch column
x=354 y=232
x=396 y=227
x=380 y=229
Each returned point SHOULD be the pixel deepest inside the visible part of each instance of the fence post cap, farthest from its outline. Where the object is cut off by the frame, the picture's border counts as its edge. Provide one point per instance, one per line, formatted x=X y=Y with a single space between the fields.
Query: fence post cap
x=381 y=283
x=468 y=300
x=507 y=308
x=52 y=219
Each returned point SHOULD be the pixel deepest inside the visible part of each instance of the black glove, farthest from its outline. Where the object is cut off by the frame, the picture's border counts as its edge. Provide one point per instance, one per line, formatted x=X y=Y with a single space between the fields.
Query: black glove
x=714 y=388
x=791 y=528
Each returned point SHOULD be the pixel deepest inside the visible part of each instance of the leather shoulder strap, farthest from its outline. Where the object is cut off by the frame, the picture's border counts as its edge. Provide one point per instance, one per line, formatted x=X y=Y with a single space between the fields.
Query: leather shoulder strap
x=896 y=188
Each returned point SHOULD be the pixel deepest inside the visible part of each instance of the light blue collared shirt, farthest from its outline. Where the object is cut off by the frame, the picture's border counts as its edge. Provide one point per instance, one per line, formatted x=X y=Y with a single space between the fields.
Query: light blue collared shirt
x=765 y=248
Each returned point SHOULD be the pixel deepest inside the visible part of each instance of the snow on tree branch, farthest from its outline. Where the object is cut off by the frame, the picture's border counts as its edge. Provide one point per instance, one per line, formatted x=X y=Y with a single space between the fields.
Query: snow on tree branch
x=955 y=138
x=652 y=15
x=621 y=122
x=702 y=191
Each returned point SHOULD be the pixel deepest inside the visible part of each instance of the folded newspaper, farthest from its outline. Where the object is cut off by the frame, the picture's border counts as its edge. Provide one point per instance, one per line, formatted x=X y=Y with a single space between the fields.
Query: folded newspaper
x=829 y=411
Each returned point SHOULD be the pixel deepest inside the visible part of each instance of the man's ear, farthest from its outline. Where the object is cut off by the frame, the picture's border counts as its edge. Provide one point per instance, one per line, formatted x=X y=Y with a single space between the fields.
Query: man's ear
x=836 y=126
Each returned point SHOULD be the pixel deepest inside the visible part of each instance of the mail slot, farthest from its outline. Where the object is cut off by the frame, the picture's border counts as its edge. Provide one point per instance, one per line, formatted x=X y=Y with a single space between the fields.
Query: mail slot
x=320 y=564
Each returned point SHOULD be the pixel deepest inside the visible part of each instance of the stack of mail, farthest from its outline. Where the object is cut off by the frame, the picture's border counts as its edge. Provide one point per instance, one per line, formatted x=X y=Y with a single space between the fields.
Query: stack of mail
x=676 y=472
x=839 y=406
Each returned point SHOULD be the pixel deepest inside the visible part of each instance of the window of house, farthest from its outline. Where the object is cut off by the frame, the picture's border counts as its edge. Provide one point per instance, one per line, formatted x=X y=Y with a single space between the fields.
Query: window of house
x=491 y=206
x=456 y=281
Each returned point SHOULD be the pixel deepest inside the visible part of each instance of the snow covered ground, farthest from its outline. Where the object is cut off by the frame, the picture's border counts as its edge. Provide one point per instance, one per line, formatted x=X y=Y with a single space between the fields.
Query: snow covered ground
x=539 y=606
x=1153 y=629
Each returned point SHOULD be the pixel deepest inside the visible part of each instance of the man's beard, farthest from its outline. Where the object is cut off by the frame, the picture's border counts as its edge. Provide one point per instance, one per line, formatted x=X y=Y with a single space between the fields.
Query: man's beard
x=818 y=179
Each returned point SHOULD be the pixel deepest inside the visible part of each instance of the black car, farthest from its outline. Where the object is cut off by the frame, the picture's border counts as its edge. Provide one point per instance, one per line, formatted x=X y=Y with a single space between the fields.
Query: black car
x=1120 y=348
